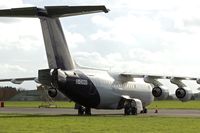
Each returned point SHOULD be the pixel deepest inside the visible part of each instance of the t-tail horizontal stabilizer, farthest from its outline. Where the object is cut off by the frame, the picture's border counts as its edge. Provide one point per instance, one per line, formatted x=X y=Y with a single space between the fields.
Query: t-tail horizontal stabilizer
x=52 y=11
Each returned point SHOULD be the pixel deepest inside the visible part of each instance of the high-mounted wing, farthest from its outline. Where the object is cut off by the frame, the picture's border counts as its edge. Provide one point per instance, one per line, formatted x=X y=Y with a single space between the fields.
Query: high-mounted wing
x=159 y=90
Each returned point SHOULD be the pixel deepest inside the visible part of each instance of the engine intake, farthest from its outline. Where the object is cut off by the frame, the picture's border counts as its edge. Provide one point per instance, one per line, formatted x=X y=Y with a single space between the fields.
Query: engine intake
x=160 y=92
x=184 y=94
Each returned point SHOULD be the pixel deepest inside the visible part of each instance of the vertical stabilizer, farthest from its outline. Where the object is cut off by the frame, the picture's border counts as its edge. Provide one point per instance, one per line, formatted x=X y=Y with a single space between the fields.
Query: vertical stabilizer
x=56 y=46
x=57 y=51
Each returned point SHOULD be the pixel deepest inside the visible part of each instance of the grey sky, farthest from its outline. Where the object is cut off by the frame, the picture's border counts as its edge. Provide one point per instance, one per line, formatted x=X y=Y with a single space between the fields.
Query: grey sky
x=160 y=37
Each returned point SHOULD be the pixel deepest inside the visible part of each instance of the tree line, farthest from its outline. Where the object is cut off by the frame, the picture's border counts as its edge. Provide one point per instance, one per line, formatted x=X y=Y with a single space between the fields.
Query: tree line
x=6 y=92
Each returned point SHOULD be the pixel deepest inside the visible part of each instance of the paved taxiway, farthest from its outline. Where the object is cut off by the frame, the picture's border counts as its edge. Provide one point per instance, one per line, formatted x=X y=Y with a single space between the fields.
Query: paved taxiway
x=68 y=111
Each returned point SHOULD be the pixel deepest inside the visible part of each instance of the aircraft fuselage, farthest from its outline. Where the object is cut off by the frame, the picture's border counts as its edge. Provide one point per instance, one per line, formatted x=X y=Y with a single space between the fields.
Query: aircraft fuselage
x=99 y=89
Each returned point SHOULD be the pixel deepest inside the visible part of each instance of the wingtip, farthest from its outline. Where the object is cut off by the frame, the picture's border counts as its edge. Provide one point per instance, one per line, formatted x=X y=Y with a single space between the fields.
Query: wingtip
x=107 y=10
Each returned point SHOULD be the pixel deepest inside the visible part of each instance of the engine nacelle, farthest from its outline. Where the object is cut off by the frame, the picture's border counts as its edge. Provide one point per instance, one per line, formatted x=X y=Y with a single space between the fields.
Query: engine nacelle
x=184 y=94
x=160 y=92
x=52 y=92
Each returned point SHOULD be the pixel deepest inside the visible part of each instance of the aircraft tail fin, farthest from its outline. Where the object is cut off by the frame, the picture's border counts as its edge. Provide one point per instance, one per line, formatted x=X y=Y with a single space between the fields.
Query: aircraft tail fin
x=57 y=51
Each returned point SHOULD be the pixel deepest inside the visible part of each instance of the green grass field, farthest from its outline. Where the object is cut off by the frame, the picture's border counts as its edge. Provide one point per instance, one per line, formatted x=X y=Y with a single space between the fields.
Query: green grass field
x=96 y=124
x=22 y=123
x=175 y=104
x=36 y=104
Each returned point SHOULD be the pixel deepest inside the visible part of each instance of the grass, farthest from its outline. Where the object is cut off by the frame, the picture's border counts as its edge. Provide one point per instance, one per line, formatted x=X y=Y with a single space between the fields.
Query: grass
x=175 y=104
x=97 y=124
x=22 y=123
x=36 y=104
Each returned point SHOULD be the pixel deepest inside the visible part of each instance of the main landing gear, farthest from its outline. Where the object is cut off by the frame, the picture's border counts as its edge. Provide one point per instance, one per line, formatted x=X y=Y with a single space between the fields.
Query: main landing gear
x=144 y=110
x=130 y=108
x=83 y=110
x=133 y=107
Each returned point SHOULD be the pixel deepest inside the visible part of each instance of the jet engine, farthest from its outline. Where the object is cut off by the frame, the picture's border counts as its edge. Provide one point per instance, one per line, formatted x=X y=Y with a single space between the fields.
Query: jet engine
x=184 y=94
x=52 y=92
x=160 y=92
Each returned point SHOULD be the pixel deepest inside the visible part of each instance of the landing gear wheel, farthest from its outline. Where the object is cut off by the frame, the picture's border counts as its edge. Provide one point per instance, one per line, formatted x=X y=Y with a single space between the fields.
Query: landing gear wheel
x=87 y=111
x=130 y=109
x=145 y=110
x=81 y=110
x=127 y=110
x=134 y=111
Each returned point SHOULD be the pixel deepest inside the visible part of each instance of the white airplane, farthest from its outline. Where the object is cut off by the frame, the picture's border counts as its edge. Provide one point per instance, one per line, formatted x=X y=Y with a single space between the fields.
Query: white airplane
x=91 y=88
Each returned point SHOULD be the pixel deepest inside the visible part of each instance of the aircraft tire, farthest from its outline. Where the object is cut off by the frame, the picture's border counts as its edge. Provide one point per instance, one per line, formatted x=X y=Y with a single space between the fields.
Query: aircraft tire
x=127 y=110
x=134 y=111
x=145 y=110
x=87 y=111
x=81 y=110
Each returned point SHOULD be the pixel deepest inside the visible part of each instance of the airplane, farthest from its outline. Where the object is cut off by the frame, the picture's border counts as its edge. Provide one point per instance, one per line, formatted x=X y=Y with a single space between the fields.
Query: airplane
x=90 y=87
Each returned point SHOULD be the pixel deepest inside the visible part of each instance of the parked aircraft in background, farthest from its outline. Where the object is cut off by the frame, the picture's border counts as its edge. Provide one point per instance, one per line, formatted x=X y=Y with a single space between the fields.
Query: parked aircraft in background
x=91 y=88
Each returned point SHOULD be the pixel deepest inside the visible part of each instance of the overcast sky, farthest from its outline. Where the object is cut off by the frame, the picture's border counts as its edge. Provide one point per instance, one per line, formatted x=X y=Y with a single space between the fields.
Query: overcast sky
x=138 y=36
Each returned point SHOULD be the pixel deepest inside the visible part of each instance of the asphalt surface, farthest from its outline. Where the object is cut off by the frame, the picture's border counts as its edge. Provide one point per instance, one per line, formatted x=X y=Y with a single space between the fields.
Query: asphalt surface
x=67 y=111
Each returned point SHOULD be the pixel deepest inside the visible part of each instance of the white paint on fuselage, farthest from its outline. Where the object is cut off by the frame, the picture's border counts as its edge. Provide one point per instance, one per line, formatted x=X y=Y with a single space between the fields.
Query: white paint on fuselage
x=111 y=90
